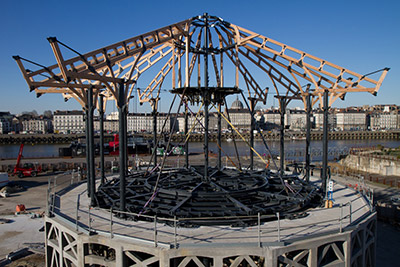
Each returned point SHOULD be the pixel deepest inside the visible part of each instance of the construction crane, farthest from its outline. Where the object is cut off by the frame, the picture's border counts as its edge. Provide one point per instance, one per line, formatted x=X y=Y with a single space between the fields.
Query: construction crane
x=28 y=169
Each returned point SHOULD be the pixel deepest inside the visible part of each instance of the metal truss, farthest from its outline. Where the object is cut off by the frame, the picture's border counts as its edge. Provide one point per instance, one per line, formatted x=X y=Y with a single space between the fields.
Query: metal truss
x=175 y=50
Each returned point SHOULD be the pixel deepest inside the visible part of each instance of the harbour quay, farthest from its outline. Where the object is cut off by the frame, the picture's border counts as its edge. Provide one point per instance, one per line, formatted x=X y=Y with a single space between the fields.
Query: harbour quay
x=198 y=137
x=8 y=139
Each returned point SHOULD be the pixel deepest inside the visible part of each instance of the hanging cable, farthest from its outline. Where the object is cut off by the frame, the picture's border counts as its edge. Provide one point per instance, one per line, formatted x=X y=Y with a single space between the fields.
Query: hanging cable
x=265 y=143
x=234 y=140
x=196 y=119
x=168 y=143
x=153 y=196
x=262 y=136
x=228 y=157
x=194 y=123
x=252 y=148
x=285 y=184
x=155 y=191
x=162 y=130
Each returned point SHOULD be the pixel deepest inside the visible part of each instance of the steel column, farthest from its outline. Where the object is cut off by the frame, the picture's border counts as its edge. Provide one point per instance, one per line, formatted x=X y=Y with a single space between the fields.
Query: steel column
x=325 y=143
x=90 y=146
x=122 y=144
x=206 y=97
x=186 y=136
x=282 y=103
x=308 y=137
x=101 y=114
x=219 y=166
x=206 y=137
x=252 y=104
x=125 y=125
x=155 y=131
x=87 y=149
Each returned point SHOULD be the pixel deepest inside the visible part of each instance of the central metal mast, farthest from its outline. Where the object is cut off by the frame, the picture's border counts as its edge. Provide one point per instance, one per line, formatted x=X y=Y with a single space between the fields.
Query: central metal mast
x=206 y=96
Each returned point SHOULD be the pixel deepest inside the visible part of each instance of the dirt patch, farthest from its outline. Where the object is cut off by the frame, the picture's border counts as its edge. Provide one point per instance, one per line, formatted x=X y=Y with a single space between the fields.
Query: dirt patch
x=6 y=212
x=9 y=234
x=33 y=260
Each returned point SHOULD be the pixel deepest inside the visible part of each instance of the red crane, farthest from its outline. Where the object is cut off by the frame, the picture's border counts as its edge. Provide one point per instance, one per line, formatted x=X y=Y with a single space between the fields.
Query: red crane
x=28 y=169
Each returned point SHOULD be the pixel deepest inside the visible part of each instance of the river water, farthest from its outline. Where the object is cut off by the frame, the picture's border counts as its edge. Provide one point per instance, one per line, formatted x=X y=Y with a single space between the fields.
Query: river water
x=294 y=150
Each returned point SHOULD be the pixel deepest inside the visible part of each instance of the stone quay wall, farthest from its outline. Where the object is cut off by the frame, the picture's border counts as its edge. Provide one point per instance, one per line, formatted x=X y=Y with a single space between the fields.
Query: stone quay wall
x=383 y=165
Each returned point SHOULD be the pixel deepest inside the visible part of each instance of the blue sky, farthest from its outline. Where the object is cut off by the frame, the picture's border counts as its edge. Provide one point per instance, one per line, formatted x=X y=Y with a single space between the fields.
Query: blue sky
x=362 y=36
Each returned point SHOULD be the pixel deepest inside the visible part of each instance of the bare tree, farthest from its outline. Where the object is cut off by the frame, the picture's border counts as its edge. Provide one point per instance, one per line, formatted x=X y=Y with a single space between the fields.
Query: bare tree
x=48 y=114
x=32 y=113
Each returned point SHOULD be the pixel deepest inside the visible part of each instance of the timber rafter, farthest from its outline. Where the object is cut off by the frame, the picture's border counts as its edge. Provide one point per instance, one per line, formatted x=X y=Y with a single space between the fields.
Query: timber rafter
x=175 y=50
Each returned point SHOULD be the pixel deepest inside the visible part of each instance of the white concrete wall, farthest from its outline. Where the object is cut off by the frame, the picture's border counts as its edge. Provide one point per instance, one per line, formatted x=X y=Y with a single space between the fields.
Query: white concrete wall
x=383 y=166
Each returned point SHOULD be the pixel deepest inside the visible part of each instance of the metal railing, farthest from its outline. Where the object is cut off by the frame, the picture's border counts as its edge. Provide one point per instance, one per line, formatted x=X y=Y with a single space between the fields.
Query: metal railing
x=170 y=235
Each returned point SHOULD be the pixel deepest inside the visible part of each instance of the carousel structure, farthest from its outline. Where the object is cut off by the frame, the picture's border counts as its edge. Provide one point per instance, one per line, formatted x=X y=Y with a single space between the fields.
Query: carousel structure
x=203 y=61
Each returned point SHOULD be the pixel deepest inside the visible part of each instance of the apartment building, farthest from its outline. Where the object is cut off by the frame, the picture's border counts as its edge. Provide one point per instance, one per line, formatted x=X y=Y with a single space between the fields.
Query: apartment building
x=143 y=122
x=296 y=119
x=5 y=122
x=69 y=121
x=37 y=125
x=319 y=120
x=350 y=120
x=272 y=119
x=385 y=121
x=111 y=126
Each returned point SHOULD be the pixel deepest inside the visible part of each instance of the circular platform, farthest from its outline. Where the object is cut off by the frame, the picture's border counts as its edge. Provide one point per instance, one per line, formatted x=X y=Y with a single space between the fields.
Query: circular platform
x=227 y=197
x=81 y=235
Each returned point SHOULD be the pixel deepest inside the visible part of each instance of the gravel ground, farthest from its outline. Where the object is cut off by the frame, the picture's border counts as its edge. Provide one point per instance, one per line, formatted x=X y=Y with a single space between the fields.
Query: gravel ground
x=22 y=230
x=19 y=232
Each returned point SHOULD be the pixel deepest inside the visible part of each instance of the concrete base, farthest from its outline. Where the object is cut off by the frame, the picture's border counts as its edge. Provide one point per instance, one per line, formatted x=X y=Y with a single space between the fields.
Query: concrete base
x=78 y=235
x=67 y=247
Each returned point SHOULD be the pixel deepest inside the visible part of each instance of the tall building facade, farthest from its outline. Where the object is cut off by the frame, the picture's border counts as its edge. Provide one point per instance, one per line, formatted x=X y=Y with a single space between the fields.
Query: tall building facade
x=38 y=125
x=5 y=122
x=69 y=121
x=385 y=120
x=351 y=120
x=143 y=122
x=296 y=119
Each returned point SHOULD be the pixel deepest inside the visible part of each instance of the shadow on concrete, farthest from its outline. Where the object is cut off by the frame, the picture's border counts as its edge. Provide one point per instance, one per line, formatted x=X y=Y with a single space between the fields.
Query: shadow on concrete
x=23 y=185
x=388 y=243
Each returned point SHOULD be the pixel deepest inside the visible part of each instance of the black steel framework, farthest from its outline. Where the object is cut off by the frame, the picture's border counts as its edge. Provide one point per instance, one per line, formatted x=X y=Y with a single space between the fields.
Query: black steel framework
x=221 y=200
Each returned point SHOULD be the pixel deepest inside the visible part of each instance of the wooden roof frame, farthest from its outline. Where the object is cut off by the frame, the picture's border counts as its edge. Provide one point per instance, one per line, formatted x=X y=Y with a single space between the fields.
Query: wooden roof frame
x=287 y=68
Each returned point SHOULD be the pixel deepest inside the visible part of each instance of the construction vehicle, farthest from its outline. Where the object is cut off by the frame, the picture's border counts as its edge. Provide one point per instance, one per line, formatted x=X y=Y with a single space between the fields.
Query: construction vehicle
x=28 y=169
